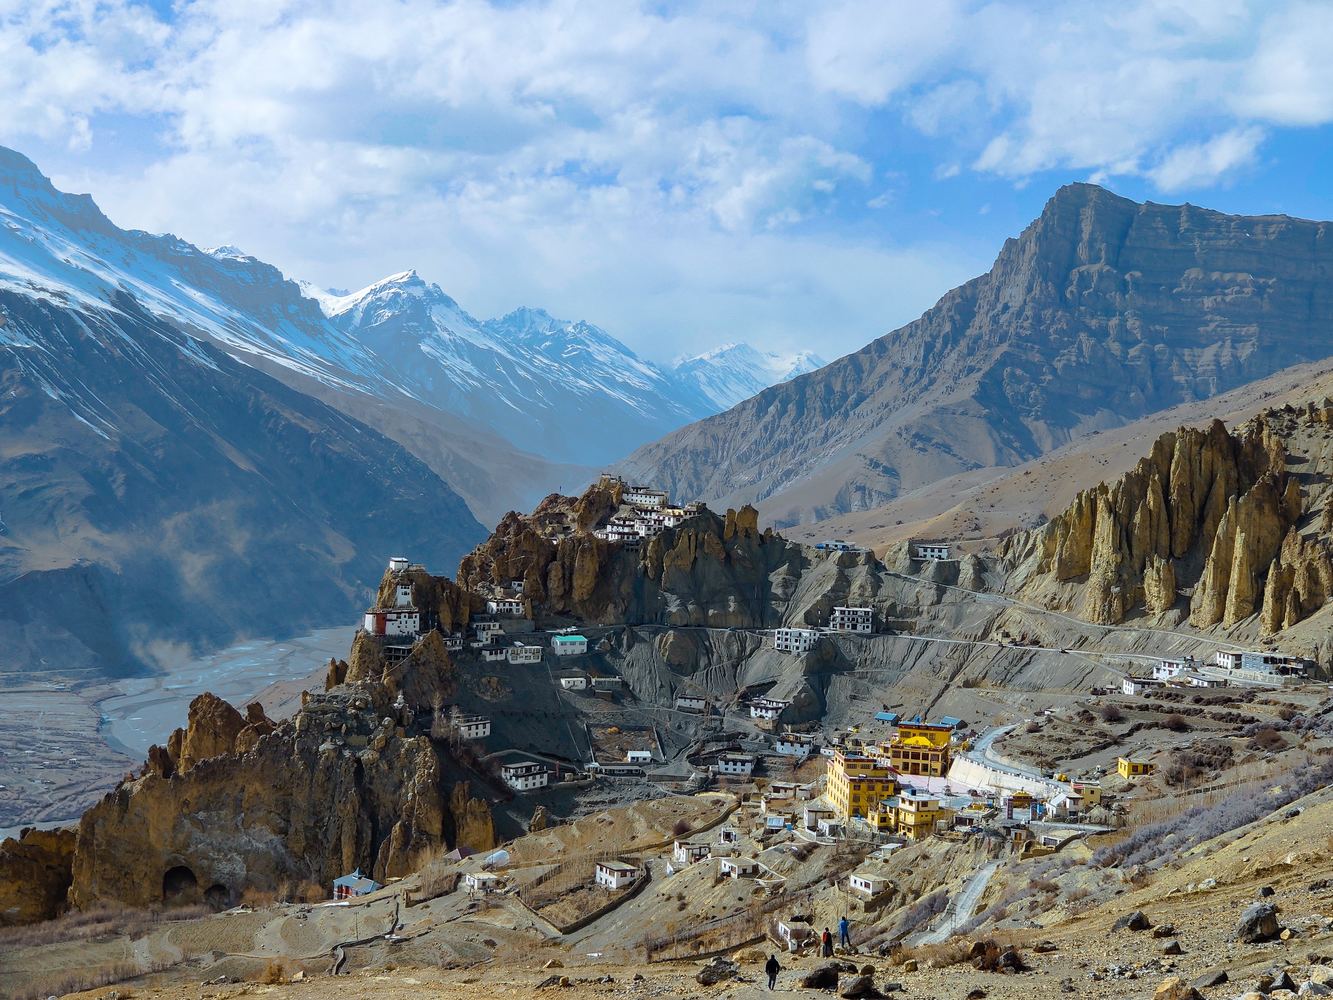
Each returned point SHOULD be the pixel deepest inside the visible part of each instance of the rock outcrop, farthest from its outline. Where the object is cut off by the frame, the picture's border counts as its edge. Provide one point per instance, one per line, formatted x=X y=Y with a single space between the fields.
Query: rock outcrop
x=235 y=801
x=1236 y=522
x=36 y=868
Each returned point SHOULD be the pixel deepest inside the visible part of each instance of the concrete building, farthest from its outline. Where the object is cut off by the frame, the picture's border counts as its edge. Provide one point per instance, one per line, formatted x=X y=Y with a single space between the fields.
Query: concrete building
x=767 y=708
x=355 y=884
x=684 y=852
x=735 y=765
x=398 y=564
x=472 y=727
x=795 y=640
x=393 y=622
x=925 y=551
x=911 y=813
x=1165 y=670
x=856 y=784
x=1135 y=686
x=569 y=645
x=485 y=628
x=738 y=867
x=494 y=652
x=509 y=607
x=608 y=685
x=1272 y=664
x=524 y=653
x=846 y=619
x=921 y=748
x=482 y=882
x=794 y=745
x=577 y=683
x=691 y=703
x=644 y=496
x=867 y=884
x=638 y=757
x=525 y=775
x=616 y=874
x=1128 y=767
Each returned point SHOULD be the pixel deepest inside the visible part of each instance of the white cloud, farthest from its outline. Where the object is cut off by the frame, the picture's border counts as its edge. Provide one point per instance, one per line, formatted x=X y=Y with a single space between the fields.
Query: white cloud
x=630 y=162
x=1202 y=163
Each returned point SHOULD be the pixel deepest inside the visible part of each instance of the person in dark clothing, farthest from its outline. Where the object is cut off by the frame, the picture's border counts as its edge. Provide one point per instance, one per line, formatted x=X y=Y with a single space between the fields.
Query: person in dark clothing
x=772 y=968
x=826 y=939
x=844 y=937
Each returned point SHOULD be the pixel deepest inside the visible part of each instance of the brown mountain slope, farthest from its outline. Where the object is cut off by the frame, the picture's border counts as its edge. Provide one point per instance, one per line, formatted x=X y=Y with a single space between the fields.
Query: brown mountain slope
x=1102 y=311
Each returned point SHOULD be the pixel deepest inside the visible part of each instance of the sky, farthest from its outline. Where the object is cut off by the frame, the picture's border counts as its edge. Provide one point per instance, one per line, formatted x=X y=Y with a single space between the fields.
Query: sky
x=802 y=176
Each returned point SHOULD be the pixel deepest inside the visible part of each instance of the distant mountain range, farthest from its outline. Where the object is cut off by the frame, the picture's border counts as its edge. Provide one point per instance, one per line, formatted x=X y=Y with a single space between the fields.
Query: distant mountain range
x=194 y=448
x=1101 y=312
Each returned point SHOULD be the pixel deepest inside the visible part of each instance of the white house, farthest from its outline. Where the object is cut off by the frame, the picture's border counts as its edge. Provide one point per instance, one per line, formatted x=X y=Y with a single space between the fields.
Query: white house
x=393 y=622
x=511 y=607
x=638 y=757
x=813 y=813
x=608 y=683
x=492 y=653
x=398 y=563
x=523 y=653
x=644 y=496
x=795 y=640
x=453 y=642
x=828 y=826
x=402 y=596
x=482 y=882
x=472 y=727
x=525 y=775
x=569 y=645
x=735 y=764
x=1276 y=664
x=867 y=884
x=928 y=551
x=1135 y=686
x=796 y=931
x=794 y=744
x=484 y=628
x=728 y=836
x=616 y=874
x=683 y=852
x=767 y=708
x=576 y=683
x=691 y=703
x=1203 y=681
x=846 y=619
x=738 y=867
x=1165 y=670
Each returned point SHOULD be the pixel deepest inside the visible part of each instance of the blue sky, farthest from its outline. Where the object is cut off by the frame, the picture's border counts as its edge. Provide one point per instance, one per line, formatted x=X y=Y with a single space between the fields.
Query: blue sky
x=802 y=176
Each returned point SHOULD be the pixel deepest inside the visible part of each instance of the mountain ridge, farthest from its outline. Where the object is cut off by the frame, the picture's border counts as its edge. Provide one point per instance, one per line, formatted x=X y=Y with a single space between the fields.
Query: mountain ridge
x=1101 y=311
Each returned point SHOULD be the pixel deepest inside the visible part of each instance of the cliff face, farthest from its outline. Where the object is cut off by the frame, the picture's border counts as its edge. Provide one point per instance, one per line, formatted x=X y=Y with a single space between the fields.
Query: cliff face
x=235 y=801
x=1236 y=522
x=1102 y=311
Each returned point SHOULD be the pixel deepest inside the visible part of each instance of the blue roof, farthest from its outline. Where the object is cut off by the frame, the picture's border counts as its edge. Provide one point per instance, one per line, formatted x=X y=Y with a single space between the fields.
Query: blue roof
x=949 y=720
x=886 y=716
x=570 y=638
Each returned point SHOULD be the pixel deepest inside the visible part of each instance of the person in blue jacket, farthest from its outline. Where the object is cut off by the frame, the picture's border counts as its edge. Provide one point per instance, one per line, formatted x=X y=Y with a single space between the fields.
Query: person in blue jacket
x=844 y=936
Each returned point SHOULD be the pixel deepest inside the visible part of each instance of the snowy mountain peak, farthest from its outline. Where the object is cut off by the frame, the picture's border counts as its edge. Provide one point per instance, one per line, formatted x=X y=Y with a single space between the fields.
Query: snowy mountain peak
x=734 y=372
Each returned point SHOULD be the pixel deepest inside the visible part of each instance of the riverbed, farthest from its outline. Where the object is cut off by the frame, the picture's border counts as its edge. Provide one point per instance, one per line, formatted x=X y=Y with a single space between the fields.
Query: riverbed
x=61 y=749
x=151 y=707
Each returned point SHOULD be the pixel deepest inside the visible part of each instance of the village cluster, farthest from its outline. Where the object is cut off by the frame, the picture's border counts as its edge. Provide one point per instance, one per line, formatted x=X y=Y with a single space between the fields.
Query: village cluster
x=1227 y=668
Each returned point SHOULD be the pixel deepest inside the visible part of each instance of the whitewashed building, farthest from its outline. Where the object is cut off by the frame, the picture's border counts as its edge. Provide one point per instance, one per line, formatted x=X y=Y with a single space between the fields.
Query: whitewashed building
x=1165 y=670
x=494 y=653
x=472 y=727
x=577 y=683
x=929 y=551
x=867 y=884
x=638 y=756
x=645 y=496
x=482 y=882
x=738 y=867
x=398 y=564
x=1135 y=686
x=1258 y=662
x=735 y=765
x=767 y=708
x=569 y=645
x=393 y=622
x=795 y=640
x=484 y=628
x=847 y=619
x=616 y=874
x=691 y=703
x=525 y=775
x=684 y=852
x=510 y=607
x=794 y=744
x=524 y=653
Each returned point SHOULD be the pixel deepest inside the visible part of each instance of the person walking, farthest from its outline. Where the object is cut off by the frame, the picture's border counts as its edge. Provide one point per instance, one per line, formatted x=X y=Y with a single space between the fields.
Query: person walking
x=826 y=939
x=772 y=968
x=844 y=935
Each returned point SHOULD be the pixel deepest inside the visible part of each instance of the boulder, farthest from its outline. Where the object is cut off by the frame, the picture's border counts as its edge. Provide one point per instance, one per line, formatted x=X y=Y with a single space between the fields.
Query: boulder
x=1135 y=921
x=858 y=988
x=1258 y=923
x=1176 y=988
x=1172 y=947
x=1211 y=979
x=717 y=971
x=823 y=977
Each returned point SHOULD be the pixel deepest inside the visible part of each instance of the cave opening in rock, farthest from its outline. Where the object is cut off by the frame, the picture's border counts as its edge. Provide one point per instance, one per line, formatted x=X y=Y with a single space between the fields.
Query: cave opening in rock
x=217 y=896
x=179 y=885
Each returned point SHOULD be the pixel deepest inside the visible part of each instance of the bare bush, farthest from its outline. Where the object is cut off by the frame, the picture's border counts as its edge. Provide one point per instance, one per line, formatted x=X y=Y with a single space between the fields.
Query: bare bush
x=1176 y=722
x=1111 y=713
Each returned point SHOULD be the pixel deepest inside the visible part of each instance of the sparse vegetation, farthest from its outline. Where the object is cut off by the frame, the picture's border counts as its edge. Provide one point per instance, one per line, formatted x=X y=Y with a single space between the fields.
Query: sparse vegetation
x=1110 y=712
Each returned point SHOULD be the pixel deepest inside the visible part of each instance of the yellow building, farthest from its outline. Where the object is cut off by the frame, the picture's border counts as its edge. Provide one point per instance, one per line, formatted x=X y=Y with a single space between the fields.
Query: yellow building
x=910 y=814
x=1130 y=768
x=1092 y=793
x=856 y=784
x=921 y=748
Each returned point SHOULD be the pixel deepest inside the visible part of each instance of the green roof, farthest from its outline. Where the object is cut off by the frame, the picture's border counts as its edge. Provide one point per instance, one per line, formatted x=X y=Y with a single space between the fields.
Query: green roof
x=570 y=638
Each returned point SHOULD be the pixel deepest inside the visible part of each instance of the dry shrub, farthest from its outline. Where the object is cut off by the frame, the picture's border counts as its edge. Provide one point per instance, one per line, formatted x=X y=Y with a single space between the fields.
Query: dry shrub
x=258 y=898
x=1175 y=722
x=95 y=922
x=274 y=973
x=1111 y=713
x=681 y=828
x=88 y=979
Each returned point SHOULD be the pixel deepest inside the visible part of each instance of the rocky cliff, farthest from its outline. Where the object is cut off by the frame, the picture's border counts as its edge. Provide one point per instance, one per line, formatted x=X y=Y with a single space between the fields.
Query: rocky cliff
x=1101 y=311
x=235 y=802
x=1218 y=527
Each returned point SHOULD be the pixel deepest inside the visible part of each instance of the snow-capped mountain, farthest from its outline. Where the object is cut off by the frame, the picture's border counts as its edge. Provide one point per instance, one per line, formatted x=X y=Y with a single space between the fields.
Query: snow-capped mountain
x=729 y=374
